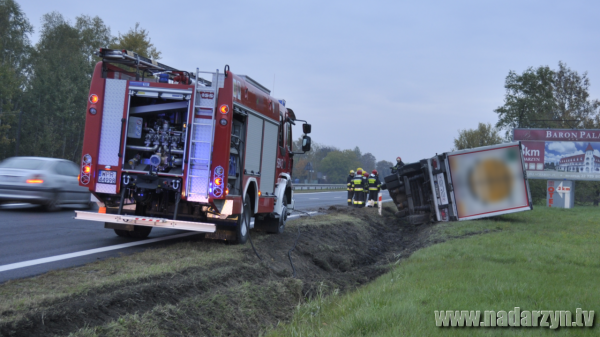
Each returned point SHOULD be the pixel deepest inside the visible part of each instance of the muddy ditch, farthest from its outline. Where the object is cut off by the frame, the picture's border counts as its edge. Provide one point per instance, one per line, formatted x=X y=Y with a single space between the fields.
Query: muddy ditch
x=342 y=250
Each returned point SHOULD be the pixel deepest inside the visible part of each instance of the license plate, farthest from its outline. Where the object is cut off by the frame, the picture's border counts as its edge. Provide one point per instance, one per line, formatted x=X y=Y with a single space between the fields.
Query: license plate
x=107 y=177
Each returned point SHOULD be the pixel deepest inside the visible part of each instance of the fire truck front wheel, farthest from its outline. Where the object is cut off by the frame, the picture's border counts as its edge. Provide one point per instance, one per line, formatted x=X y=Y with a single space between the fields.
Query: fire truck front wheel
x=277 y=226
x=243 y=226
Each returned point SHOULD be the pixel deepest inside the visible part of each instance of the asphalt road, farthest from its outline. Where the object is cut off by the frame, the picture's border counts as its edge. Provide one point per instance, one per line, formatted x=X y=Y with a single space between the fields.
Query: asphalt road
x=29 y=234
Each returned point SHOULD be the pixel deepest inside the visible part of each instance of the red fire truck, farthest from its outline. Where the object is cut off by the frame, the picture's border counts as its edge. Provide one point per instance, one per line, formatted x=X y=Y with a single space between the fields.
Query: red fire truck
x=168 y=148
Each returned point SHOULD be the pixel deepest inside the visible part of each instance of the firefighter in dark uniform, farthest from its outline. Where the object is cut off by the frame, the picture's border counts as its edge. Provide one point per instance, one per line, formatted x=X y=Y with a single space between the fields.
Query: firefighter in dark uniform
x=350 y=189
x=398 y=165
x=365 y=188
x=357 y=187
x=374 y=186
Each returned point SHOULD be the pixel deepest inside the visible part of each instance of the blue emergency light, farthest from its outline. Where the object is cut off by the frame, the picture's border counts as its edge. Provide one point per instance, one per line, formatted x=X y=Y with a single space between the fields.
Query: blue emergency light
x=163 y=78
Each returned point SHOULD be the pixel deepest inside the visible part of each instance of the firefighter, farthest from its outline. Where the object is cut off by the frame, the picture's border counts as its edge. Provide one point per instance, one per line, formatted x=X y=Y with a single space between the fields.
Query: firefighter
x=398 y=165
x=374 y=186
x=350 y=189
x=365 y=180
x=357 y=187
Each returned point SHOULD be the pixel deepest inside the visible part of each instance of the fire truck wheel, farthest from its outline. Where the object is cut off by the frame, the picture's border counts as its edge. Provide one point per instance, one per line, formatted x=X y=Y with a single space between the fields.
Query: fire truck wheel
x=243 y=227
x=277 y=226
x=140 y=232
x=122 y=233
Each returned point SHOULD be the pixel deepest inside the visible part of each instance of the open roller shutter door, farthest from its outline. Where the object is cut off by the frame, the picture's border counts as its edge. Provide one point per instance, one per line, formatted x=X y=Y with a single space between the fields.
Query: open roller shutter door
x=269 y=156
x=253 y=144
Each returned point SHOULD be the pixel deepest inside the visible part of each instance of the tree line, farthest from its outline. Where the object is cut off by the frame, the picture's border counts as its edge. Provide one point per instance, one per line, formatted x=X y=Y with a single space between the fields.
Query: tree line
x=44 y=86
x=541 y=98
x=328 y=164
x=44 y=89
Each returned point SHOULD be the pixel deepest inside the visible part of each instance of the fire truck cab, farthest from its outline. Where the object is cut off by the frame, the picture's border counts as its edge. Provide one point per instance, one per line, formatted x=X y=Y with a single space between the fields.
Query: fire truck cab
x=168 y=148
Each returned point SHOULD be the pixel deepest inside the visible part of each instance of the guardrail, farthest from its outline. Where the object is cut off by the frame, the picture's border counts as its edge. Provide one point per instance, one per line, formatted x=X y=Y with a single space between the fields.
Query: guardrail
x=319 y=187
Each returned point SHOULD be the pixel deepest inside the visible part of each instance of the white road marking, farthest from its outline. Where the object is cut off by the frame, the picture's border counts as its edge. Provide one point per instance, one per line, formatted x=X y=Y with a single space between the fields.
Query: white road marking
x=15 y=206
x=89 y=252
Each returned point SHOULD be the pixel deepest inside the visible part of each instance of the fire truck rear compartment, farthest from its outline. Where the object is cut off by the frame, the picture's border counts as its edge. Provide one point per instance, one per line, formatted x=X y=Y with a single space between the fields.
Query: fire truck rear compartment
x=236 y=152
x=156 y=133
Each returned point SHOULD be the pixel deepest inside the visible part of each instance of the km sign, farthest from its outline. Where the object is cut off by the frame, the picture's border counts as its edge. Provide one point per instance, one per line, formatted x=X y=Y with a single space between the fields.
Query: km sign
x=530 y=153
x=560 y=193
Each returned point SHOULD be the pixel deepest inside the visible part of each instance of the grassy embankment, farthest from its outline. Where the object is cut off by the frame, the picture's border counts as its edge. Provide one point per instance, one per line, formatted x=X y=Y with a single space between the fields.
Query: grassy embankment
x=196 y=287
x=22 y=295
x=545 y=259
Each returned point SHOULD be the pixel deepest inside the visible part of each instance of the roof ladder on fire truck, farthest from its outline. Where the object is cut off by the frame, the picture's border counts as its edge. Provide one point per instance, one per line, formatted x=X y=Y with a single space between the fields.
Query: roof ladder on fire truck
x=202 y=131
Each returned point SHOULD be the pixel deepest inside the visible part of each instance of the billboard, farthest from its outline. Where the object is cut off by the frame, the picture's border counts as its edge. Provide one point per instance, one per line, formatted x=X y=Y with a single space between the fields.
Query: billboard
x=560 y=154
x=488 y=181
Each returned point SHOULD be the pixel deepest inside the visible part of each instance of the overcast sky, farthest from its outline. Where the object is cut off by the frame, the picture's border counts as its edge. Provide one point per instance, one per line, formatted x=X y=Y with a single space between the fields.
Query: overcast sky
x=392 y=77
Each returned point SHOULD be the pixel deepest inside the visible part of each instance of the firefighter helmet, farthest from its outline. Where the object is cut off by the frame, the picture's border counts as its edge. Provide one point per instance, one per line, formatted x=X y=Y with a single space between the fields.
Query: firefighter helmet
x=351 y=171
x=398 y=159
x=359 y=169
x=374 y=172
x=365 y=174
x=359 y=172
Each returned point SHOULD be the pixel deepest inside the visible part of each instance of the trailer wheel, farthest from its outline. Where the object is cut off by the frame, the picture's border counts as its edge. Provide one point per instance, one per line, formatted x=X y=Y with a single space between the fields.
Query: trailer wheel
x=140 y=232
x=243 y=226
x=277 y=226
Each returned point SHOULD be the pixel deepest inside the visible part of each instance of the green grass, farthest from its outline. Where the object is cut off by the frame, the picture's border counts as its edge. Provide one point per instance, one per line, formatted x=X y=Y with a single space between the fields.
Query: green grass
x=545 y=259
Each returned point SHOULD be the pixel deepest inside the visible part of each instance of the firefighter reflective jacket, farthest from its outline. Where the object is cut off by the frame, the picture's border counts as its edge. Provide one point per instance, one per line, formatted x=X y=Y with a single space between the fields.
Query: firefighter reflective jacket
x=349 y=181
x=357 y=183
x=374 y=183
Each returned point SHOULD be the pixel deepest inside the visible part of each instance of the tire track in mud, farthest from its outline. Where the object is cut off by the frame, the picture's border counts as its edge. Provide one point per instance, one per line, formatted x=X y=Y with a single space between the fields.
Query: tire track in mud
x=338 y=254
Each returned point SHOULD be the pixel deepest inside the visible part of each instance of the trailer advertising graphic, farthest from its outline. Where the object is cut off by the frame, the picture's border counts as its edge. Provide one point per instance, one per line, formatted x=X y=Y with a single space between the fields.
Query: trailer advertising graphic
x=560 y=153
x=488 y=181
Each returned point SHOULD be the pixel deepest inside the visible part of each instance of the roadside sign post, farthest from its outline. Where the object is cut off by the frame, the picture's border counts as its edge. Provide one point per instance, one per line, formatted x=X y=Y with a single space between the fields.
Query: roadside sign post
x=379 y=199
x=560 y=193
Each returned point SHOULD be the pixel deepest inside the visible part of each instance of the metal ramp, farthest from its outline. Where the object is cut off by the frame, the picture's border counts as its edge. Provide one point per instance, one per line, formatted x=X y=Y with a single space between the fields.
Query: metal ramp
x=202 y=138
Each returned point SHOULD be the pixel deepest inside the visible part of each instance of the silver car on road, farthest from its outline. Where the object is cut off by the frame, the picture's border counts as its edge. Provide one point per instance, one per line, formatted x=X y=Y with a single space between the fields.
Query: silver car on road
x=49 y=182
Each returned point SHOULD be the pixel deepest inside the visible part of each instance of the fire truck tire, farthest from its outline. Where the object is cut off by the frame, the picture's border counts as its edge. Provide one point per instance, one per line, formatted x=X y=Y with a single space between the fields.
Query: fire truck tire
x=122 y=233
x=140 y=232
x=243 y=226
x=277 y=226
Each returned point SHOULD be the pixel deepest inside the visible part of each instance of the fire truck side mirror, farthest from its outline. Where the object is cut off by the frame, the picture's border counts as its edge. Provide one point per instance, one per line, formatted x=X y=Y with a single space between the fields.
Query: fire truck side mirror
x=306 y=129
x=306 y=143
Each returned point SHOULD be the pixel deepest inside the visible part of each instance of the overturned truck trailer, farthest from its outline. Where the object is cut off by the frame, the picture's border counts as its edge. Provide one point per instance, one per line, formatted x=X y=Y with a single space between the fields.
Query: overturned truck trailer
x=461 y=185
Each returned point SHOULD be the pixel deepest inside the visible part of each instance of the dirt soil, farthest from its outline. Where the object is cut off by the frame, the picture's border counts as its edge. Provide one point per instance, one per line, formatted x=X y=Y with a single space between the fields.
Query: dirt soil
x=342 y=250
